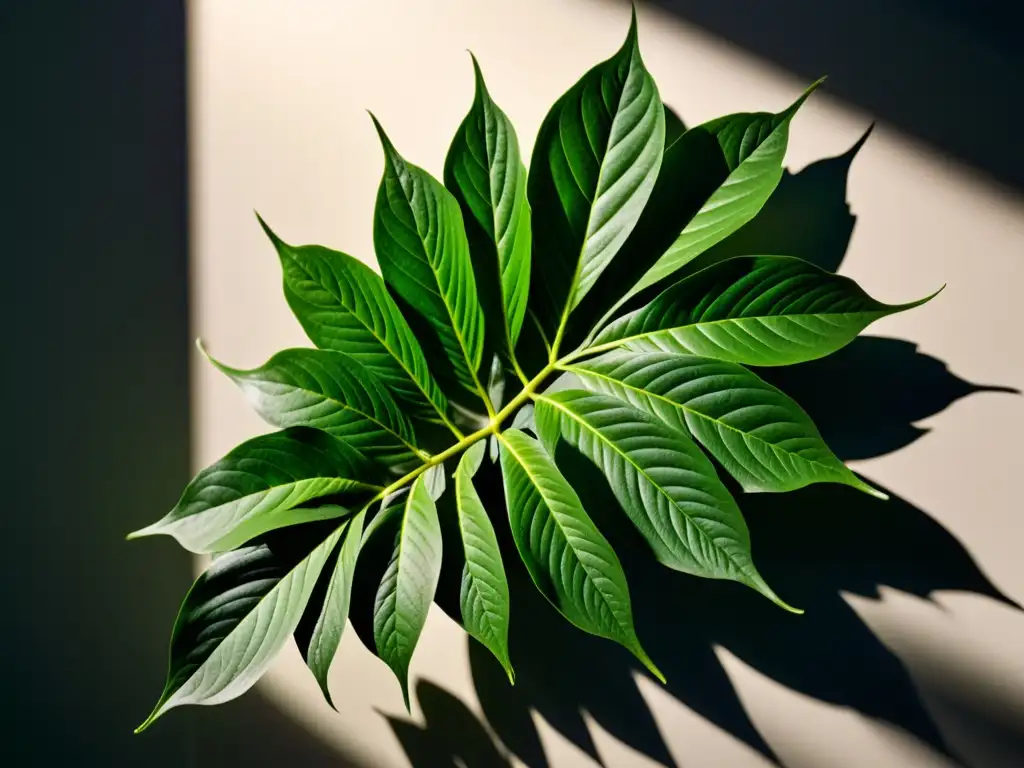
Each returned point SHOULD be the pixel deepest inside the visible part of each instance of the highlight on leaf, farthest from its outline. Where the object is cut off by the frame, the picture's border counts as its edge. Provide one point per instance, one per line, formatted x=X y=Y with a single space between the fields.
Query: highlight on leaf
x=517 y=314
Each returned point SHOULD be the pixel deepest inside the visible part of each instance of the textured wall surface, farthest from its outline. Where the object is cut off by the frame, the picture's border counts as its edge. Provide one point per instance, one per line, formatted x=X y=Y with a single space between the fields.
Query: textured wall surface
x=910 y=652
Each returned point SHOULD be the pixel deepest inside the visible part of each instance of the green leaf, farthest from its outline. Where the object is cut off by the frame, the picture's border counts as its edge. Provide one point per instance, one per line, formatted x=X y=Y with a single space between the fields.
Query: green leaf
x=407 y=589
x=330 y=624
x=258 y=486
x=423 y=254
x=234 y=620
x=594 y=165
x=666 y=486
x=343 y=305
x=484 y=596
x=756 y=310
x=485 y=173
x=331 y=391
x=743 y=170
x=764 y=439
x=569 y=560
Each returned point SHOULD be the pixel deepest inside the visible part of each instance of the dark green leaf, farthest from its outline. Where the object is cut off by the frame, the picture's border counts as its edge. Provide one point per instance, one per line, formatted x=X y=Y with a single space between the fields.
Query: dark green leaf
x=258 y=486
x=326 y=636
x=664 y=483
x=333 y=392
x=423 y=254
x=571 y=563
x=485 y=173
x=407 y=589
x=344 y=305
x=760 y=435
x=594 y=165
x=757 y=310
x=234 y=620
x=484 y=597
x=740 y=173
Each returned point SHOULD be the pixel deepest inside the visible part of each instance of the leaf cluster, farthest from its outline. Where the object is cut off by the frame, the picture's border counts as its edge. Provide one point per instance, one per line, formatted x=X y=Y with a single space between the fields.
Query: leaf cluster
x=518 y=312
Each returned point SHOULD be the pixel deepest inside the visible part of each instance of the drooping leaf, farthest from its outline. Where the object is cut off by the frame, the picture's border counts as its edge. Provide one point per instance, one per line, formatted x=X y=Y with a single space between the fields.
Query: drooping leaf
x=407 y=589
x=571 y=563
x=594 y=165
x=666 y=486
x=756 y=310
x=237 y=616
x=740 y=174
x=764 y=439
x=344 y=305
x=423 y=254
x=330 y=624
x=484 y=172
x=259 y=486
x=484 y=598
x=331 y=391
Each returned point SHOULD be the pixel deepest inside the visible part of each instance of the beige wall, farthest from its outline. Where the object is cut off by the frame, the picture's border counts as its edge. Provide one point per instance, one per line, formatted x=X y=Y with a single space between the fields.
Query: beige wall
x=278 y=124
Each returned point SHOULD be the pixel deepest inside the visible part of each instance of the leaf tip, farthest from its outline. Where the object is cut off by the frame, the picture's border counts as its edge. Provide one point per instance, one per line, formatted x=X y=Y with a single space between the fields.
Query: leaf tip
x=389 y=148
x=792 y=109
x=277 y=241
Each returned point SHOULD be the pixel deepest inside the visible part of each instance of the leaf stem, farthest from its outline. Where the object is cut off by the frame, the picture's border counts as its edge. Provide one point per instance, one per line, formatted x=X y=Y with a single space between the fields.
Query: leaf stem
x=468 y=440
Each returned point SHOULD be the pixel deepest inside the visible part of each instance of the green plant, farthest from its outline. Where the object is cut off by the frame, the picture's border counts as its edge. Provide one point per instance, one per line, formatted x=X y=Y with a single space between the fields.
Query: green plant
x=559 y=283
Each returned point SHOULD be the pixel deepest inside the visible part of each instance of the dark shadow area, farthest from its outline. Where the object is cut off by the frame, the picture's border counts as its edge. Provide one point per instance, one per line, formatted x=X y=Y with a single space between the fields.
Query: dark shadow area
x=97 y=355
x=941 y=70
x=811 y=545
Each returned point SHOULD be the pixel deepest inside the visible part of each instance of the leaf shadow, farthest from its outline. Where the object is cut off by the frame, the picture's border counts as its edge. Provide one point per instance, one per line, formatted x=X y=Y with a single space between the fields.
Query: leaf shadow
x=812 y=546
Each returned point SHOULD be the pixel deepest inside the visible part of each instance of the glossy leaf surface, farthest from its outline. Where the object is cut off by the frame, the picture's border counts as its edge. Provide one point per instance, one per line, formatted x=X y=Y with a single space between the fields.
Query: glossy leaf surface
x=234 y=620
x=594 y=165
x=756 y=310
x=424 y=256
x=344 y=305
x=750 y=149
x=259 y=486
x=407 y=589
x=484 y=598
x=487 y=176
x=330 y=624
x=331 y=391
x=666 y=486
x=571 y=563
x=764 y=439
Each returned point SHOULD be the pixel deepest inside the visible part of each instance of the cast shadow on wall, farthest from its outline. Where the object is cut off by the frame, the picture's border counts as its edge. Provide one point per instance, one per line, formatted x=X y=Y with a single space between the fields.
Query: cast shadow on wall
x=811 y=545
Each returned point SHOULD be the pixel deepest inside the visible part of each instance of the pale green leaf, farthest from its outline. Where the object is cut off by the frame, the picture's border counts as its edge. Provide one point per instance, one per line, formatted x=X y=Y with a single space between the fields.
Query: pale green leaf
x=756 y=310
x=747 y=151
x=484 y=598
x=330 y=624
x=234 y=620
x=569 y=560
x=666 y=486
x=259 y=486
x=764 y=439
x=407 y=588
